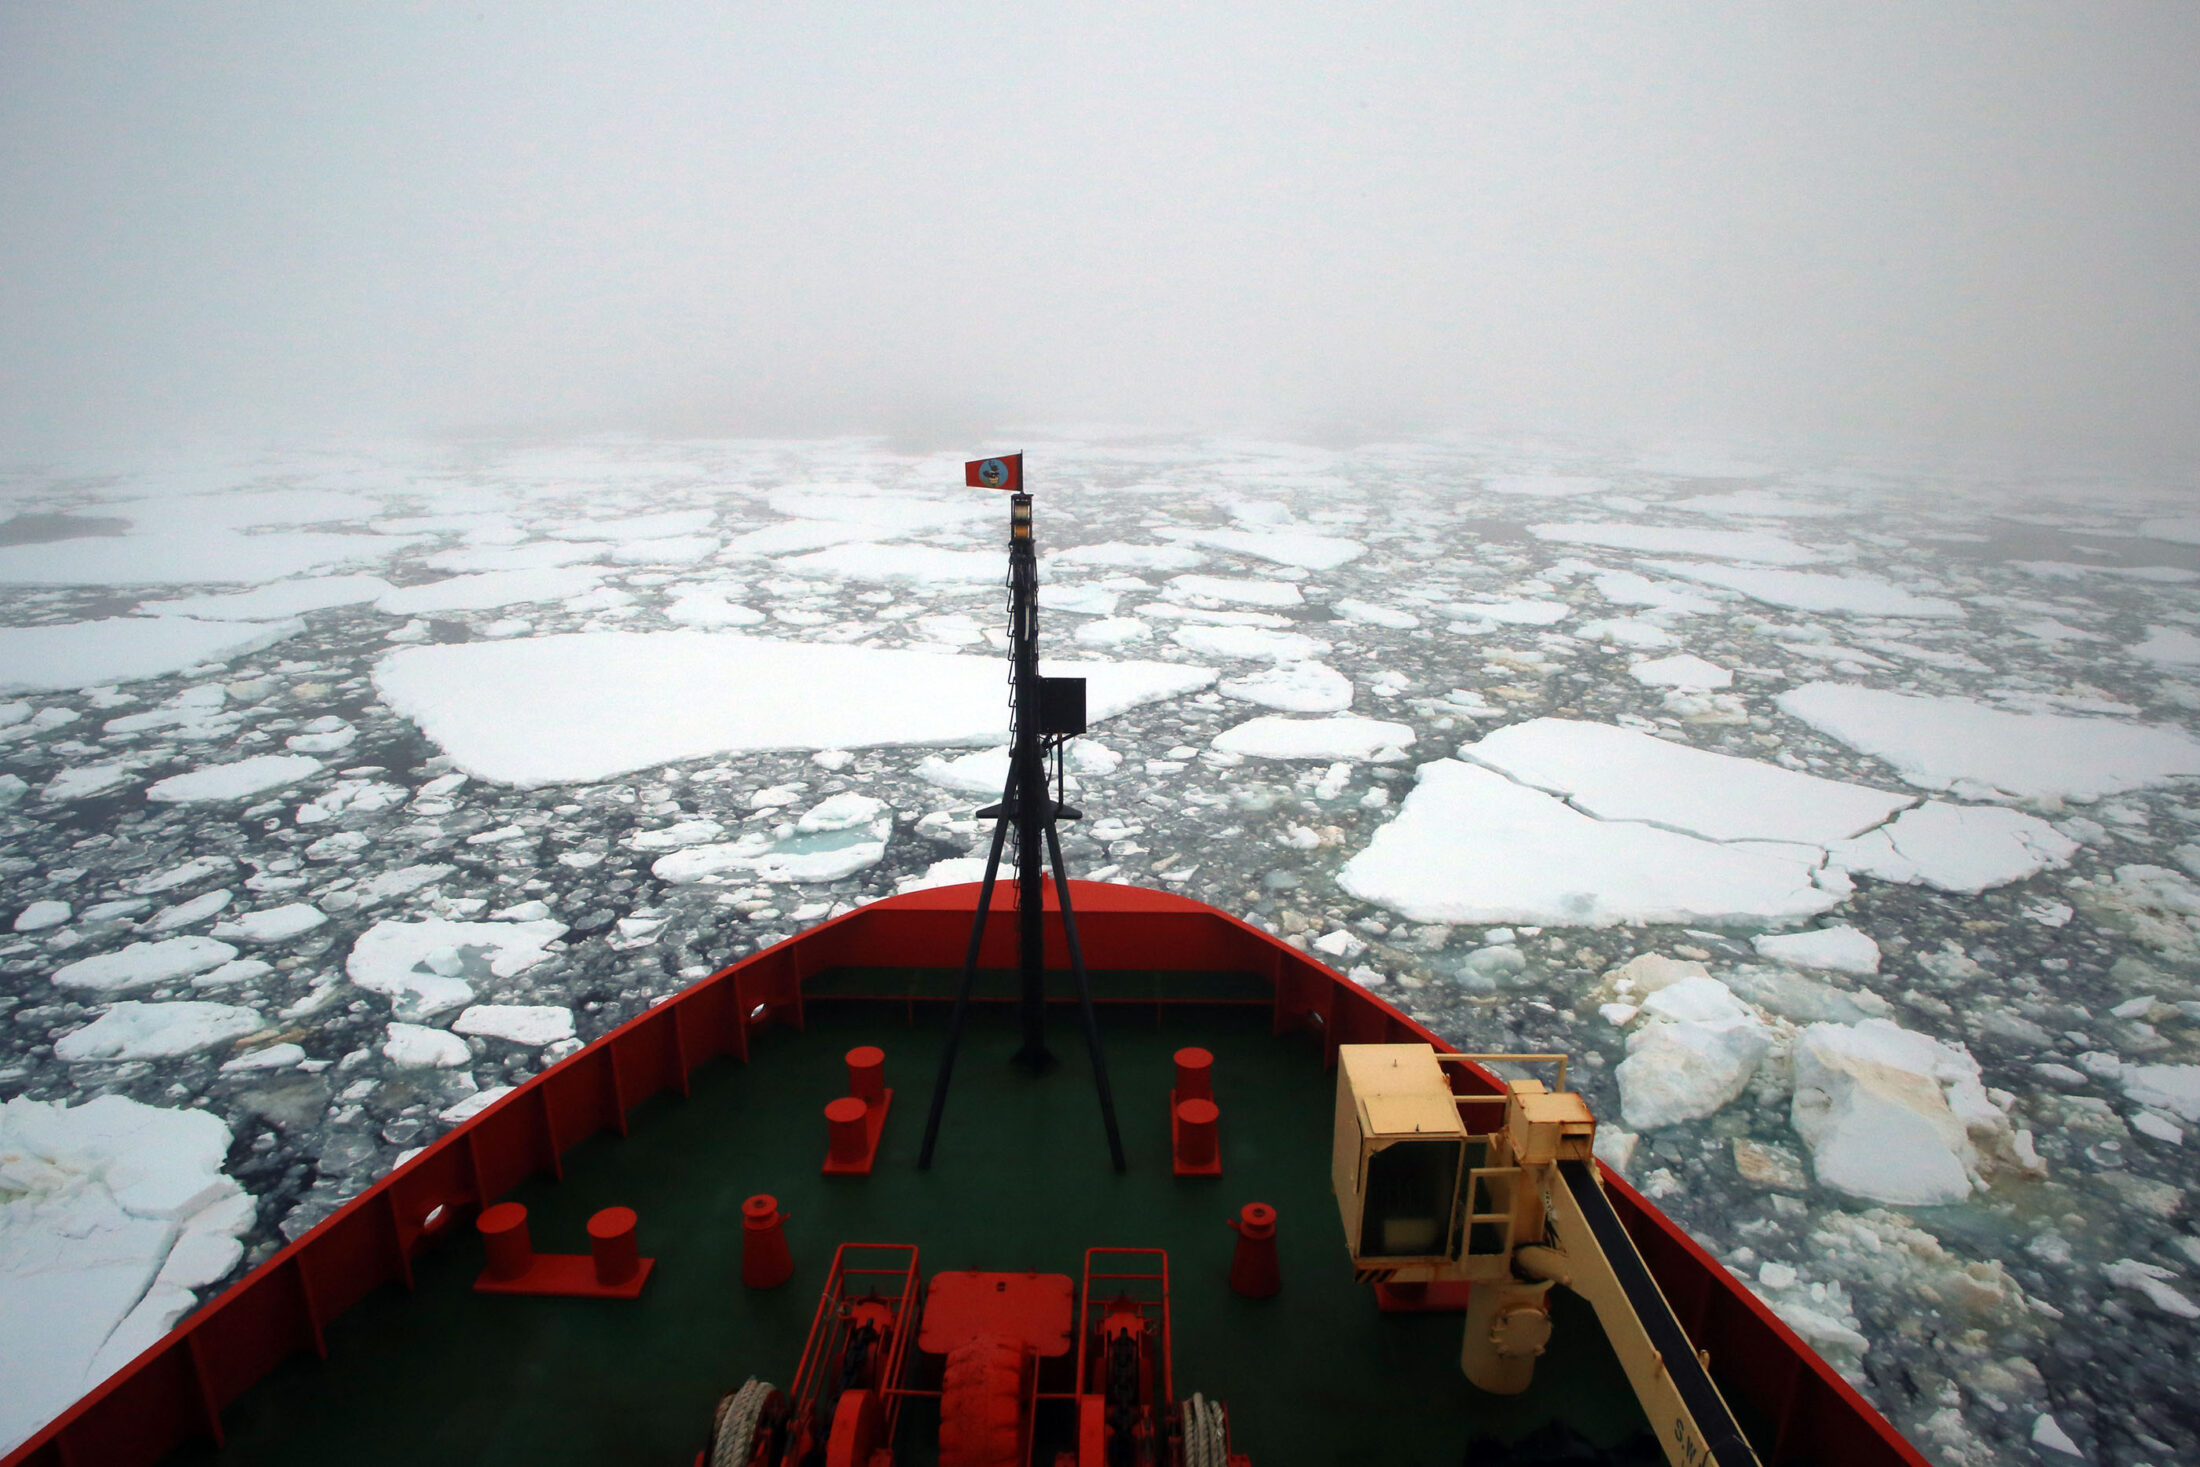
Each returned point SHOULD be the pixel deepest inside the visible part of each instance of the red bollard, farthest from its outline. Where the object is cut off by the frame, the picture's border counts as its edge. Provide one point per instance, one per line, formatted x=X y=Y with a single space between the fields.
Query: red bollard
x=765 y=1261
x=847 y=1125
x=504 y=1232
x=1196 y=1149
x=1253 y=1269
x=867 y=1073
x=1194 y=1075
x=611 y=1241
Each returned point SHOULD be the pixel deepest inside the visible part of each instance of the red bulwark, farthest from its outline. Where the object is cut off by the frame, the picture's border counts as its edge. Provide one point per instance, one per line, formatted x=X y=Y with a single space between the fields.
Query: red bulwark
x=1036 y=1308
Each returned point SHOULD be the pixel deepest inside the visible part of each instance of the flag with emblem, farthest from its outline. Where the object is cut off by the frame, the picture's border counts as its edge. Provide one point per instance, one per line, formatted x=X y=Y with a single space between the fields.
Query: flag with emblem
x=1006 y=472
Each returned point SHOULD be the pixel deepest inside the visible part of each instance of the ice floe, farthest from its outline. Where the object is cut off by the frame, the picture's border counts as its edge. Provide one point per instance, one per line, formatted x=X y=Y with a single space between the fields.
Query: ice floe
x=1697 y=1050
x=1470 y=845
x=423 y=965
x=489 y=590
x=234 y=781
x=115 y=1213
x=589 y=705
x=1863 y=595
x=131 y=1030
x=1839 y=948
x=1345 y=737
x=518 y=1022
x=1750 y=545
x=145 y=964
x=1965 y=848
x=1891 y=1114
x=1620 y=774
x=274 y=602
x=838 y=837
x=1685 y=671
x=1297 y=687
x=123 y=649
x=885 y=564
x=1284 y=547
x=1956 y=743
x=1239 y=590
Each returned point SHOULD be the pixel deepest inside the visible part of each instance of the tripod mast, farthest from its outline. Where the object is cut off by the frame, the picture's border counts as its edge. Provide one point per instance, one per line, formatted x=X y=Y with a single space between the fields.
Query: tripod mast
x=1047 y=712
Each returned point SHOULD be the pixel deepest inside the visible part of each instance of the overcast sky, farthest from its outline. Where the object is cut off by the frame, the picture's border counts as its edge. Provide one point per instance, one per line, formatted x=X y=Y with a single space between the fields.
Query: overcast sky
x=1970 y=223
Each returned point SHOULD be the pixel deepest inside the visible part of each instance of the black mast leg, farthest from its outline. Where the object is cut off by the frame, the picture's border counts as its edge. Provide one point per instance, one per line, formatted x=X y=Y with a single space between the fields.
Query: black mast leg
x=1084 y=1000
x=969 y=976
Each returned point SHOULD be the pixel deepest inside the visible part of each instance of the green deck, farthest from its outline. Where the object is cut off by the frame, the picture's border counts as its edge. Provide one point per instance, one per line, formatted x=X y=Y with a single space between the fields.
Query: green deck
x=1021 y=1181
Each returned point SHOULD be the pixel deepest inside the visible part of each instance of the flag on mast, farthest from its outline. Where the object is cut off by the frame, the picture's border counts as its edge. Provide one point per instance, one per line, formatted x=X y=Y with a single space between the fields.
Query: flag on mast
x=1005 y=472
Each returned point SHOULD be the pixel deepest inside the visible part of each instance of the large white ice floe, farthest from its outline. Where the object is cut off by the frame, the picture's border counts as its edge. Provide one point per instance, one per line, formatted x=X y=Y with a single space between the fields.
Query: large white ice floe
x=1697 y=1049
x=1620 y=774
x=417 y=1046
x=489 y=590
x=838 y=837
x=1807 y=591
x=591 y=705
x=239 y=780
x=1965 y=848
x=131 y=1030
x=922 y=565
x=272 y=924
x=521 y=1023
x=1749 y=545
x=2167 y=1087
x=666 y=524
x=1840 y=949
x=144 y=964
x=1296 y=687
x=113 y=1213
x=2169 y=646
x=982 y=773
x=1342 y=737
x=121 y=649
x=1240 y=590
x=189 y=557
x=1117 y=555
x=1248 y=642
x=1961 y=744
x=423 y=966
x=1545 y=486
x=1683 y=671
x=1893 y=1115
x=1282 y=546
x=1470 y=845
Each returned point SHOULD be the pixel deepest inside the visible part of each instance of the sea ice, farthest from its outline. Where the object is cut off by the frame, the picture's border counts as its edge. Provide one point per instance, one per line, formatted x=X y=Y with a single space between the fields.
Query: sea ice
x=1296 y=687
x=838 y=837
x=1118 y=555
x=1626 y=588
x=1620 y=774
x=666 y=524
x=708 y=608
x=1839 y=949
x=1941 y=743
x=188 y=557
x=1242 y=590
x=131 y=1030
x=1343 y=737
x=274 y=602
x=86 y=781
x=423 y=965
x=923 y=565
x=238 y=781
x=518 y=1022
x=121 y=649
x=40 y=915
x=1367 y=613
x=588 y=706
x=273 y=924
x=1750 y=545
x=1514 y=611
x=1891 y=1114
x=115 y=1212
x=1470 y=845
x=1683 y=671
x=144 y=964
x=489 y=590
x=1544 y=486
x=1284 y=547
x=184 y=914
x=1804 y=591
x=1698 y=1051
x=1248 y=642
x=2167 y=1087
x=2169 y=646
x=982 y=773
x=1965 y=848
